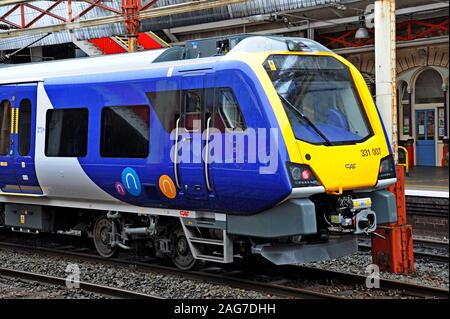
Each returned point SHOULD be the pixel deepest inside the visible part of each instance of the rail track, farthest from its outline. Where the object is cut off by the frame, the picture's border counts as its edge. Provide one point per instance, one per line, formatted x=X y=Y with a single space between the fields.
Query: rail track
x=408 y=289
x=270 y=288
x=85 y=286
x=427 y=206
x=433 y=251
x=278 y=281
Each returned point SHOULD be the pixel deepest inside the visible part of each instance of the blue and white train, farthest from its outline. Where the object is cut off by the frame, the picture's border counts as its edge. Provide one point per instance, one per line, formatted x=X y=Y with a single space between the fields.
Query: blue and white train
x=100 y=145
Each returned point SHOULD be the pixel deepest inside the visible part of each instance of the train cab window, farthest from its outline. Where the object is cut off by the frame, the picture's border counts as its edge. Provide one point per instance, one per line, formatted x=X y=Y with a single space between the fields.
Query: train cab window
x=320 y=98
x=24 y=127
x=193 y=110
x=66 y=133
x=125 y=132
x=5 y=127
x=229 y=110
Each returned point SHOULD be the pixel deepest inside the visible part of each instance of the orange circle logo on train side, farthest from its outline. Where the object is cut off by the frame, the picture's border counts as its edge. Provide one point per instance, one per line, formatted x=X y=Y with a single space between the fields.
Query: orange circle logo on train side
x=167 y=187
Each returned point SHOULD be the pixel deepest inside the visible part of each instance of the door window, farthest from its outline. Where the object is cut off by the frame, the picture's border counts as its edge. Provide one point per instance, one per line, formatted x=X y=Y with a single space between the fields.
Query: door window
x=193 y=110
x=24 y=127
x=430 y=125
x=5 y=127
x=421 y=126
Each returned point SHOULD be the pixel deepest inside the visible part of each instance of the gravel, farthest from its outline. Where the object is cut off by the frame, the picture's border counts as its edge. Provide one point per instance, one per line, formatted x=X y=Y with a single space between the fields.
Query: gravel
x=177 y=287
x=425 y=273
x=124 y=277
x=13 y=288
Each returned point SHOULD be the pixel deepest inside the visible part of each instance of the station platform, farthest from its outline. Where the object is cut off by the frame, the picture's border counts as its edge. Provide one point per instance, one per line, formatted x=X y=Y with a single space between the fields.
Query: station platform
x=427 y=181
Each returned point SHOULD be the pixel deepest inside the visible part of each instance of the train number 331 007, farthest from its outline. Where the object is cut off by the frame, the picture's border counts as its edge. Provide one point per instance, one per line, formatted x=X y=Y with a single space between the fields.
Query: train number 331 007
x=373 y=152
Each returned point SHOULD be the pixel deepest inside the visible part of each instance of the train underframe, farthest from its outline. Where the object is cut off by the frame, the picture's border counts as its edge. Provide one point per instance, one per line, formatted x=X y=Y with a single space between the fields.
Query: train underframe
x=297 y=231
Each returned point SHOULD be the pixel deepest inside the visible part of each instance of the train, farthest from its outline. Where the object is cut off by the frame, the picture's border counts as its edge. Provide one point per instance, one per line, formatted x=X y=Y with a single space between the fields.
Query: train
x=222 y=149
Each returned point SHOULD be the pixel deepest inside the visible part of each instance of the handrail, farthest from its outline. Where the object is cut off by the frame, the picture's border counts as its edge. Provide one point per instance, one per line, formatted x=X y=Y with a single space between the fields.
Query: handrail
x=121 y=40
x=208 y=185
x=406 y=164
x=175 y=156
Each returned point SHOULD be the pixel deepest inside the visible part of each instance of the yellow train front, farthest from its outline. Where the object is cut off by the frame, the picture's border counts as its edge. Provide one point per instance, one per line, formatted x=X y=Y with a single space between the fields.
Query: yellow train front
x=340 y=161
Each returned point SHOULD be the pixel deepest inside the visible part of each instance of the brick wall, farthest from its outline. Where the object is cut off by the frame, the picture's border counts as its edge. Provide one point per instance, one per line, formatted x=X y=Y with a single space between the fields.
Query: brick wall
x=429 y=226
x=428 y=216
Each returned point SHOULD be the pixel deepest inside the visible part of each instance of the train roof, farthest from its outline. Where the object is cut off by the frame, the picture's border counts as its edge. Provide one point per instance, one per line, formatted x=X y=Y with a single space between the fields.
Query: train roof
x=81 y=66
x=195 y=52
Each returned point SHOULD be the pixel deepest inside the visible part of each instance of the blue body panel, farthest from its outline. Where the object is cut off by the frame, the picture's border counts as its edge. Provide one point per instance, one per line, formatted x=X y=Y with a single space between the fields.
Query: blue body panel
x=237 y=187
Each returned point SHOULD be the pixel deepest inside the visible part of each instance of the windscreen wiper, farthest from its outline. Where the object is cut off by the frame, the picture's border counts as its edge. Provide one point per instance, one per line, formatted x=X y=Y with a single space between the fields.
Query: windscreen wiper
x=306 y=119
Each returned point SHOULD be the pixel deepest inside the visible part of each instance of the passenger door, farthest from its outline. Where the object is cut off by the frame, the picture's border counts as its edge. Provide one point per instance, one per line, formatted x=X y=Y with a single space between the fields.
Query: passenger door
x=17 y=127
x=8 y=180
x=24 y=150
x=425 y=134
x=191 y=165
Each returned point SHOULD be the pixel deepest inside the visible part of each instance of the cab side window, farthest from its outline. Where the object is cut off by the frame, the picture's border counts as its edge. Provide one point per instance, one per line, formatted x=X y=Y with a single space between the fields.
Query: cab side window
x=229 y=110
x=5 y=127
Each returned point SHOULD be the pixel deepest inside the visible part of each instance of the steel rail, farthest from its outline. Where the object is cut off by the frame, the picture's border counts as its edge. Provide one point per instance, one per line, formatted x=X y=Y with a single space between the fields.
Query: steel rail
x=420 y=254
x=85 y=286
x=410 y=289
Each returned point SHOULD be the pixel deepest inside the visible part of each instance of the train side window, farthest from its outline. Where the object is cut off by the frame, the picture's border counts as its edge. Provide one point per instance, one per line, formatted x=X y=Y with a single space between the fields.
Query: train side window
x=193 y=110
x=66 y=133
x=229 y=110
x=166 y=106
x=5 y=127
x=125 y=132
x=24 y=127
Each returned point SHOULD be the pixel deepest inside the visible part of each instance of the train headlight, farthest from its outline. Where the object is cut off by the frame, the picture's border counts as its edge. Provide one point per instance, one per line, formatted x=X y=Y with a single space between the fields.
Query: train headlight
x=302 y=175
x=387 y=168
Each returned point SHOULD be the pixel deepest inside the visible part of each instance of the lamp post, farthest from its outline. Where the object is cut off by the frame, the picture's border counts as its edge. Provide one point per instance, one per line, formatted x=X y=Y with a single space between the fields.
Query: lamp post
x=395 y=252
x=385 y=68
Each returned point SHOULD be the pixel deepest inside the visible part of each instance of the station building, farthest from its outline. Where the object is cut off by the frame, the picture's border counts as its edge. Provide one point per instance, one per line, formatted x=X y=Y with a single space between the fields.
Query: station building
x=422 y=86
x=342 y=25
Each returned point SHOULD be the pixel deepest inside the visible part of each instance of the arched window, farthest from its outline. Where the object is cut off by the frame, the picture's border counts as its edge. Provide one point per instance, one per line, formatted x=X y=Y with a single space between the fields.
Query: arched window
x=429 y=87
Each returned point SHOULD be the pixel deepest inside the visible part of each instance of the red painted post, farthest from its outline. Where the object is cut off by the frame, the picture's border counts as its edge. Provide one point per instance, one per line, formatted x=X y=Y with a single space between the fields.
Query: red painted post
x=395 y=253
x=22 y=16
x=70 y=12
x=444 y=155
x=130 y=11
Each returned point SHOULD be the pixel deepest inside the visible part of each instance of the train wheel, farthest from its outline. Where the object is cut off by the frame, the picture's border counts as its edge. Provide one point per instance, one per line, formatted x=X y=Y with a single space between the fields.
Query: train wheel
x=102 y=237
x=181 y=253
